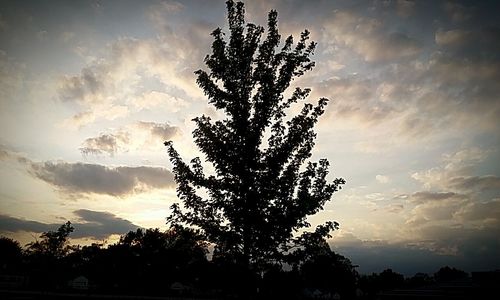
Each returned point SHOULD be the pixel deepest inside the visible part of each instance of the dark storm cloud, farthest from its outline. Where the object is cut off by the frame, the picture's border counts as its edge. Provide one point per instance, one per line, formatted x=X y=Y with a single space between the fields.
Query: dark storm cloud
x=408 y=259
x=89 y=224
x=11 y=224
x=476 y=246
x=104 y=143
x=471 y=249
x=91 y=178
x=412 y=258
x=100 y=225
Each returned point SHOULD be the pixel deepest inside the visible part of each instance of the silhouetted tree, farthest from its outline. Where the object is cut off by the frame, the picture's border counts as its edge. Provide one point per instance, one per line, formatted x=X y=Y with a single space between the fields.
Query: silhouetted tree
x=320 y=267
x=419 y=280
x=259 y=195
x=53 y=243
x=148 y=261
x=449 y=274
x=46 y=257
x=280 y=284
x=389 y=279
x=386 y=280
x=89 y=261
x=11 y=255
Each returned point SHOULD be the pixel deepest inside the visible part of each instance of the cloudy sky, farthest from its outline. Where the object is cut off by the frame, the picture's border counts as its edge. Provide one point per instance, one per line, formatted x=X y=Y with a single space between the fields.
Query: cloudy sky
x=89 y=90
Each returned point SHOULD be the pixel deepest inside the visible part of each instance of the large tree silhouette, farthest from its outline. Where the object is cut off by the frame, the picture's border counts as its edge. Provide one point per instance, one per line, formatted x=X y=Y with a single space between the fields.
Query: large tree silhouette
x=262 y=190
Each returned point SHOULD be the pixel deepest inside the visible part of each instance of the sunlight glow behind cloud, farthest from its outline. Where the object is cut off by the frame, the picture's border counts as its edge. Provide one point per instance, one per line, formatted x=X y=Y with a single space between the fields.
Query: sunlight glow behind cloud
x=87 y=97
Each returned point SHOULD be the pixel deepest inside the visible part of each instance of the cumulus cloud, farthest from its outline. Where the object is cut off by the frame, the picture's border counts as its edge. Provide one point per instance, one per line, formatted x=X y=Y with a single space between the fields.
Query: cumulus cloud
x=356 y=98
x=474 y=211
x=369 y=38
x=76 y=178
x=6 y=154
x=107 y=84
x=454 y=167
x=86 y=87
x=475 y=183
x=456 y=207
x=88 y=224
x=104 y=143
x=431 y=210
x=161 y=131
x=450 y=87
x=137 y=136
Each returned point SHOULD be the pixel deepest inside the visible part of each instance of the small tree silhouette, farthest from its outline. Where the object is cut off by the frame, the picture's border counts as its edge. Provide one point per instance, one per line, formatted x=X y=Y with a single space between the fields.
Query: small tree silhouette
x=259 y=196
x=53 y=243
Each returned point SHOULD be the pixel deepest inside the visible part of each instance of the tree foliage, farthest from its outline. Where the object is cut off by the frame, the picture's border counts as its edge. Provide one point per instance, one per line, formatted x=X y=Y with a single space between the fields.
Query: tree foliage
x=11 y=254
x=260 y=193
x=54 y=243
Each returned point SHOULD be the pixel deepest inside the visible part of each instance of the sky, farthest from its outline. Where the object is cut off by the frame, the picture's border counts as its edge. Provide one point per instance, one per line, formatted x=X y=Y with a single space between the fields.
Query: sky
x=89 y=90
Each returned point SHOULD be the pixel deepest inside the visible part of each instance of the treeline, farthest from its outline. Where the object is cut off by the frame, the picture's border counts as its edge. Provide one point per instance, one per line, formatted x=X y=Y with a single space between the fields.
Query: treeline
x=175 y=263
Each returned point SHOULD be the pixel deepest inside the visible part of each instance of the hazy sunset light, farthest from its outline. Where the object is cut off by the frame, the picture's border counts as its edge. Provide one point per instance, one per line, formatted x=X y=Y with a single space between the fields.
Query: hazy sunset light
x=90 y=90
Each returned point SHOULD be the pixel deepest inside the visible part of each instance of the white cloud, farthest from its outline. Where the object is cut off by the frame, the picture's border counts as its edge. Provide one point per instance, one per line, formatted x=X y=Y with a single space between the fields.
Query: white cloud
x=156 y=99
x=159 y=131
x=106 y=85
x=105 y=143
x=455 y=165
x=138 y=136
x=382 y=178
x=375 y=196
x=454 y=199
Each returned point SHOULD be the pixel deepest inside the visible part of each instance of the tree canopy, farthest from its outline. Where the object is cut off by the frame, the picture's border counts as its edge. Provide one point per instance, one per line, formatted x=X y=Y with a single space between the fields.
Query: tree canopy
x=263 y=188
x=53 y=243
